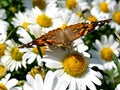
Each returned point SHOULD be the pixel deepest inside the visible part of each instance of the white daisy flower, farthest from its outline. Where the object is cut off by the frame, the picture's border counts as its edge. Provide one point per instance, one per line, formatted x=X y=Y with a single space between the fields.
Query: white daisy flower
x=115 y=15
x=37 y=83
x=3 y=24
x=13 y=57
x=78 y=7
x=31 y=54
x=117 y=87
x=72 y=68
x=7 y=83
x=4 y=27
x=40 y=3
x=74 y=5
x=3 y=70
x=22 y=19
x=101 y=9
x=44 y=18
x=105 y=49
x=3 y=14
x=2 y=44
x=34 y=30
x=68 y=18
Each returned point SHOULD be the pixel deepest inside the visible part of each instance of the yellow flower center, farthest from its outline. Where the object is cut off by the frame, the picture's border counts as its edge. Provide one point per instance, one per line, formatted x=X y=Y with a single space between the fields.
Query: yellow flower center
x=71 y=4
x=63 y=26
x=107 y=53
x=16 y=54
x=104 y=7
x=92 y=18
x=79 y=14
x=2 y=49
x=44 y=20
x=3 y=70
x=75 y=64
x=37 y=70
x=3 y=87
x=35 y=50
x=116 y=17
x=25 y=25
x=39 y=3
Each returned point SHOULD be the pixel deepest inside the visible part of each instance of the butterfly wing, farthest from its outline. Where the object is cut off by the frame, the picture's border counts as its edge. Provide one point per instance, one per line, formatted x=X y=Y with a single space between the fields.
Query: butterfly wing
x=78 y=30
x=64 y=38
x=54 y=37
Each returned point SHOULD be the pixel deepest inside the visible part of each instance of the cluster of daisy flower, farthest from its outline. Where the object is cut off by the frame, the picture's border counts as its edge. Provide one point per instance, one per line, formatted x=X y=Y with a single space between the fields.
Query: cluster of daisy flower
x=91 y=64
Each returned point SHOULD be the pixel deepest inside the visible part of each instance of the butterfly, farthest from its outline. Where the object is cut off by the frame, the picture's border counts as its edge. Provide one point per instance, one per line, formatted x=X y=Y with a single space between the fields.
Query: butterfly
x=64 y=38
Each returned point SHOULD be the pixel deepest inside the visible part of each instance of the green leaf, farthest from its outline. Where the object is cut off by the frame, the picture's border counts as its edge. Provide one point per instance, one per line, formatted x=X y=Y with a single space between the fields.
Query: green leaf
x=117 y=63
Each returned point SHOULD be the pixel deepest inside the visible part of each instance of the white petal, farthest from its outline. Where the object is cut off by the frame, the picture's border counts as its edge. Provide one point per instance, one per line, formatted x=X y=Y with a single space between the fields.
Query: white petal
x=81 y=84
x=7 y=77
x=72 y=85
x=110 y=40
x=97 y=45
x=30 y=80
x=48 y=82
x=63 y=82
x=39 y=60
x=12 y=66
x=26 y=86
x=54 y=65
x=82 y=48
x=115 y=45
x=104 y=39
x=98 y=74
x=11 y=83
x=90 y=85
x=39 y=81
x=95 y=80
x=27 y=55
x=31 y=59
x=59 y=72
x=86 y=54
x=117 y=87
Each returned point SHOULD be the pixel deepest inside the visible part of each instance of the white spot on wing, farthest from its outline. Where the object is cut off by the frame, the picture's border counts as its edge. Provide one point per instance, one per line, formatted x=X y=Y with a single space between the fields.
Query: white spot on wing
x=97 y=27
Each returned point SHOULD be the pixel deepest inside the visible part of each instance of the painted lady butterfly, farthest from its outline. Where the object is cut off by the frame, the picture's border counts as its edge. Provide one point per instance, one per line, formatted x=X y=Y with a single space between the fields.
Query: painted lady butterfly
x=64 y=38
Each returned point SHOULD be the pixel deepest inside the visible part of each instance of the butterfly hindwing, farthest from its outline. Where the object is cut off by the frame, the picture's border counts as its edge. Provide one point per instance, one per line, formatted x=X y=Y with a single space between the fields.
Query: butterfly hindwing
x=50 y=38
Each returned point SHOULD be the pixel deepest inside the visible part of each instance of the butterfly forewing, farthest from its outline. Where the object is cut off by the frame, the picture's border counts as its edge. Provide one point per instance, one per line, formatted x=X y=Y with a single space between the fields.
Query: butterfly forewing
x=75 y=31
x=78 y=30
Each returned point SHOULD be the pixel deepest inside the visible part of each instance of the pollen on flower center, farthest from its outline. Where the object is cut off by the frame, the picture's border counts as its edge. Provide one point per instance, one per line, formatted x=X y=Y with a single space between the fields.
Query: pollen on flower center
x=3 y=70
x=79 y=14
x=71 y=4
x=37 y=70
x=44 y=20
x=75 y=64
x=92 y=18
x=3 y=87
x=25 y=25
x=2 y=49
x=104 y=7
x=107 y=53
x=16 y=54
x=63 y=26
x=116 y=17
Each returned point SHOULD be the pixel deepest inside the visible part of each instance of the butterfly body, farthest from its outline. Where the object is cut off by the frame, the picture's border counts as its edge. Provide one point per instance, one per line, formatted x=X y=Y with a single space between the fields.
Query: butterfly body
x=64 y=38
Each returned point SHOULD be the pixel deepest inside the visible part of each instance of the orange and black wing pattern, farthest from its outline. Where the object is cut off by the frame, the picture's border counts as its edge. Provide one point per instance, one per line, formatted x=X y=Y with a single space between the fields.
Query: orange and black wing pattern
x=64 y=38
